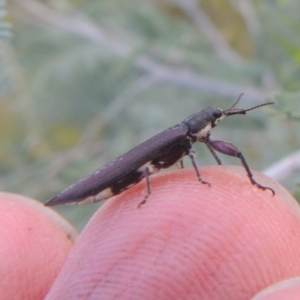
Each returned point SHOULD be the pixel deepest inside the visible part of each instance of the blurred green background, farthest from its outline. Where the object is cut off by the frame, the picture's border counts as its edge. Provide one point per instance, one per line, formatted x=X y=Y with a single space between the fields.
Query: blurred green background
x=81 y=82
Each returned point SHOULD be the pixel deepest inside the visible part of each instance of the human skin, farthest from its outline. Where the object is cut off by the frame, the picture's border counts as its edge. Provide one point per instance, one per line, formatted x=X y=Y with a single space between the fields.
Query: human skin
x=190 y=241
x=34 y=243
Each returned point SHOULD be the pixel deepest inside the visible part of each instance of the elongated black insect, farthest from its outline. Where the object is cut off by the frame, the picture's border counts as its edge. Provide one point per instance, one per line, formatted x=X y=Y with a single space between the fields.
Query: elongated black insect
x=159 y=152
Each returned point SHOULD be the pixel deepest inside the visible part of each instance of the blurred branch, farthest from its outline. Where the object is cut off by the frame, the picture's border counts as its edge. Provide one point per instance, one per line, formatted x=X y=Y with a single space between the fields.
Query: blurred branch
x=254 y=26
x=4 y=27
x=210 y=31
x=114 y=108
x=189 y=79
x=247 y=10
x=82 y=26
x=75 y=22
x=284 y=168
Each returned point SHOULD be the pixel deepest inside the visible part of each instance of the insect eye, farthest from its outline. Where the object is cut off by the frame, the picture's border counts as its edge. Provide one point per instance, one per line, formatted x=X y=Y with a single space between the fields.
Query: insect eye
x=217 y=114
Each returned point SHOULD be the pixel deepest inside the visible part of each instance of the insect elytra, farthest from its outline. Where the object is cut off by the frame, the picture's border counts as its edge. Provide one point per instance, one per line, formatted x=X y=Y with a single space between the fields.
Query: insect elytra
x=159 y=152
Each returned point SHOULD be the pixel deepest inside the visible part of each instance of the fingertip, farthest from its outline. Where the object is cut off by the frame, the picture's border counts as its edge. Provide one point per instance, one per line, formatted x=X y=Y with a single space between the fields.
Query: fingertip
x=189 y=240
x=34 y=244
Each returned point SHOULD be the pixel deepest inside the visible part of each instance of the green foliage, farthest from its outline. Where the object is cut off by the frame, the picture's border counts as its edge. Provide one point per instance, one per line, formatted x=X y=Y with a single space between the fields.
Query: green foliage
x=4 y=27
x=81 y=82
x=288 y=106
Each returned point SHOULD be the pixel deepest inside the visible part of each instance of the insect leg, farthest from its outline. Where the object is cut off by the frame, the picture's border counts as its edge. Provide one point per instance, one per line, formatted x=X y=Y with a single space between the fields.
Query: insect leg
x=191 y=154
x=212 y=151
x=147 y=175
x=181 y=164
x=229 y=149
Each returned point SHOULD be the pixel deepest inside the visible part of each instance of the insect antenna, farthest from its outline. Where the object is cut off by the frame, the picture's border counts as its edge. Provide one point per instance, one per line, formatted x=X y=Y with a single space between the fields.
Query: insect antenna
x=264 y=104
x=237 y=101
x=240 y=111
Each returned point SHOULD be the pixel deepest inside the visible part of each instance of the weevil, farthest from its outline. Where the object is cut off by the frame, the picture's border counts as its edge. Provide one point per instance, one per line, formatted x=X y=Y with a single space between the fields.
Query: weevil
x=159 y=152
